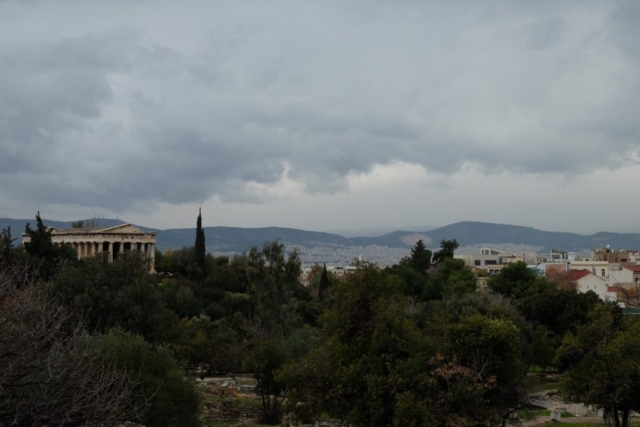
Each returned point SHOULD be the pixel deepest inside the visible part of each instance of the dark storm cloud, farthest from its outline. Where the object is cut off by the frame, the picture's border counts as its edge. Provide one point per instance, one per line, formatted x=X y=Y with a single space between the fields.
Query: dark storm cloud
x=220 y=98
x=49 y=89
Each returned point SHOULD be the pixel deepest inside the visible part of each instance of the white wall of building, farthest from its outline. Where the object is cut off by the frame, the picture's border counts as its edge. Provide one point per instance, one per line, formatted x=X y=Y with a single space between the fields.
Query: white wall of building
x=598 y=285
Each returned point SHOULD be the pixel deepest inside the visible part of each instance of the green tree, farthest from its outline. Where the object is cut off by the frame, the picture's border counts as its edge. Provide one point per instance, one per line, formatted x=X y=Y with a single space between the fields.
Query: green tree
x=447 y=249
x=194 y=342
x=544 y=347
x=518 y=281
x=460 y=282
x=604 y=370
x=491 y=348
x=187 y=305
x=39 y=244
x=559 y=310
x=6 y=242
x=451 y=277
x=43 y=252
x=420 y=258
x=200 y=247
x=413 y=282
x=173 y=399
x=367 y=333
x=378 y=365
x=264 y=361
x=230 y=336
x=118 y=294
x=274 y=279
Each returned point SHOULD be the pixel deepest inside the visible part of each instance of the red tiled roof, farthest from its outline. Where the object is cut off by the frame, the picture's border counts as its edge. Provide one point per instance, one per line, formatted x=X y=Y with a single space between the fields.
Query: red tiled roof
x=634 y=268
x=575 y=275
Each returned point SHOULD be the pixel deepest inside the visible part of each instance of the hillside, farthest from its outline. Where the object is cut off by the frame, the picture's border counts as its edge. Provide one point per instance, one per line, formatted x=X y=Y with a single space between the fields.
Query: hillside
x=468 y=233
x=234 y=239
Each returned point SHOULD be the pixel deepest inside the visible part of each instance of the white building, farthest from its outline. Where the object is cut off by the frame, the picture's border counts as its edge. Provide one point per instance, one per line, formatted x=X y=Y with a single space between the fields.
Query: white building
x=587 y=281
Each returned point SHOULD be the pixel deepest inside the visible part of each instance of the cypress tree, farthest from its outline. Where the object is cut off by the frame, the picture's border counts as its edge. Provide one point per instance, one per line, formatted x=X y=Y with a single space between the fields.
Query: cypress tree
x=200 y=248
x=323 y=286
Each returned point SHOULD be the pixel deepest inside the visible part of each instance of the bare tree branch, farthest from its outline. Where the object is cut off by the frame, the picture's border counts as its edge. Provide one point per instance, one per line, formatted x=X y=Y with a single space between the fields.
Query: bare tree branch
x=52 y=373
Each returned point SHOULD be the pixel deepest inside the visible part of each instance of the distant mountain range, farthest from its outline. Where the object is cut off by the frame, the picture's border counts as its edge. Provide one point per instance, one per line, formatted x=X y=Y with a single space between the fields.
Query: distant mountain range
x=468 y=233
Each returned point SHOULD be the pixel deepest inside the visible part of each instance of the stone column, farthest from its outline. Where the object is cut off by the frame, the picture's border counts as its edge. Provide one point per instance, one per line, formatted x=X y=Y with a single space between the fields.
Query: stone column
x=110 y=251
x=152 y=257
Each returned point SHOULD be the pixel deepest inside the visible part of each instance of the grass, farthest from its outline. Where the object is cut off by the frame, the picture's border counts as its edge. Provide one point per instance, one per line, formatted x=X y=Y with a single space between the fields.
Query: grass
x=238 y=295
x=545 y=386
x=547 y=413
x=530 y=415
x=542 y=382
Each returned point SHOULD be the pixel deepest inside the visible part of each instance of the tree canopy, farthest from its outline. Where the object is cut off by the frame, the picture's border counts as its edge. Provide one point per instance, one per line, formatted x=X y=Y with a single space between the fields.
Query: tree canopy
x=604 y=370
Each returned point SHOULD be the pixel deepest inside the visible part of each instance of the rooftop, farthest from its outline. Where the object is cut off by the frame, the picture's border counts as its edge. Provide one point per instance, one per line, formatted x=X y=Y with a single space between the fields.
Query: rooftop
x=575 y=275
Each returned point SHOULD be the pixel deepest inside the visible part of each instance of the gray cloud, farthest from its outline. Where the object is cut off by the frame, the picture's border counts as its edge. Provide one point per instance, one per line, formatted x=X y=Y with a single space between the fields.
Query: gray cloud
x=195 y=102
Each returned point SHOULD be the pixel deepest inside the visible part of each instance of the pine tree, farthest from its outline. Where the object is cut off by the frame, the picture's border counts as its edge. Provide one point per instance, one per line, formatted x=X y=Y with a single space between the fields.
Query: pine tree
x=6 y=242
x=447 y=249
x=41 y=248
x=420 y=258
x=323 y=286
x=200 y=248
x=40 y=244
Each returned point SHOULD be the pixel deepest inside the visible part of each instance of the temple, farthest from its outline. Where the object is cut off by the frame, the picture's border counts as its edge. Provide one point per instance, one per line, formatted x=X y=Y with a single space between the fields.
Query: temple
x=90 y=241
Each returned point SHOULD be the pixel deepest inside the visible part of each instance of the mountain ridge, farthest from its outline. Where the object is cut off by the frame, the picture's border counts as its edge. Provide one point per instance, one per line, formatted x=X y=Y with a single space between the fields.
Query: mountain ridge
x=468 y=233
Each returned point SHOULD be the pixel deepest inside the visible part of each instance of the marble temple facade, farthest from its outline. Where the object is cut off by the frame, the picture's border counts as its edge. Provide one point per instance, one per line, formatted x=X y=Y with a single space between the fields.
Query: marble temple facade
x=112 y=240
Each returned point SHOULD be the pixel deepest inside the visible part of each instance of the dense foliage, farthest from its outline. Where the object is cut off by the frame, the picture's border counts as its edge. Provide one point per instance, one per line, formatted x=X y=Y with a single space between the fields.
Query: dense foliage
x=413 y=344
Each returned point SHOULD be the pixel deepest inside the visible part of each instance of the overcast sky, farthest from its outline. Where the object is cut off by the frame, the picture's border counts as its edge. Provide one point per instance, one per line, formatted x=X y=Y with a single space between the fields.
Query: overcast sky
x=322 y=115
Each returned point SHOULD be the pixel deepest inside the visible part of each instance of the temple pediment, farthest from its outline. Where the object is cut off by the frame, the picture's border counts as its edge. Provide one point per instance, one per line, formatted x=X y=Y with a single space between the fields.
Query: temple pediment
x=122 y=228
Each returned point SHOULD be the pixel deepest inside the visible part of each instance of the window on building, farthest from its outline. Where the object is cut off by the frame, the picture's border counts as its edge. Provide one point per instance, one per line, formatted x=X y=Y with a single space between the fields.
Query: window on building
x=477 y=262
x=602 y=272
x=491 y=262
